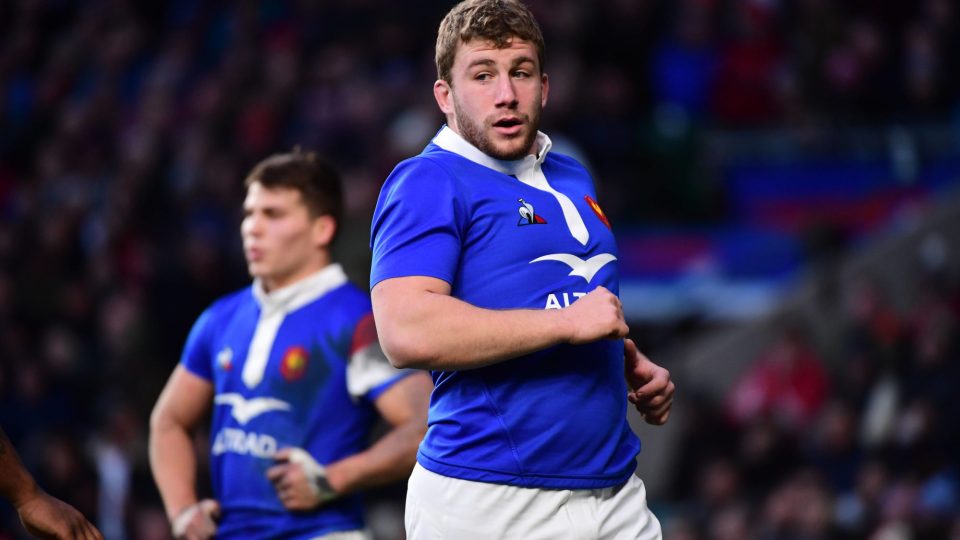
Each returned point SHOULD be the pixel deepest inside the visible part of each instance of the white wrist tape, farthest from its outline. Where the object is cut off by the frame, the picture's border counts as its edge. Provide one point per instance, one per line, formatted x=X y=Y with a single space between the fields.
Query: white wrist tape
x=180 y=523
x=315 y=472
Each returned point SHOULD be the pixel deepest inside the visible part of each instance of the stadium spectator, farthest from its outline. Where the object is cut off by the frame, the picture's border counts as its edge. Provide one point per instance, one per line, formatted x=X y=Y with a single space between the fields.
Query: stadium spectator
x=787 y=383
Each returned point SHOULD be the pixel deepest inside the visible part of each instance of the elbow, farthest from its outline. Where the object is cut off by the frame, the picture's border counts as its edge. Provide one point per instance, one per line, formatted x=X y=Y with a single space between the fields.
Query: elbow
x=162 y=421
x=419 y=432
x=415 y=431
x=406 y=353
x=401 y=362
x=404 y=317
x=159 y=421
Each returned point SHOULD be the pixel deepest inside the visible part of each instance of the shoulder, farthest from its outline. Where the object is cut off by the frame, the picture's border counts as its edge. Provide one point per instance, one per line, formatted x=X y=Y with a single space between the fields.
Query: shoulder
x=348 y=298
x=233 y=300
x=218 y=316
x=430 y=169
x=431 y=184
x=339 y=310
x=566 y=164
x=228 y=304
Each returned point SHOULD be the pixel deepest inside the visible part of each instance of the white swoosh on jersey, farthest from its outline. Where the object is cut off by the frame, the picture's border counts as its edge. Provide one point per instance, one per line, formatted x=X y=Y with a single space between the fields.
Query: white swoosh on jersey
x=245 y=410
x=579 y=267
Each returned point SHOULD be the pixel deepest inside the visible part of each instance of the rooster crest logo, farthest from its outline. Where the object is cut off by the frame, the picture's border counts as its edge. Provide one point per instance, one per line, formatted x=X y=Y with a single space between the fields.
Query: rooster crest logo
x=225 y=359
x=528 y=216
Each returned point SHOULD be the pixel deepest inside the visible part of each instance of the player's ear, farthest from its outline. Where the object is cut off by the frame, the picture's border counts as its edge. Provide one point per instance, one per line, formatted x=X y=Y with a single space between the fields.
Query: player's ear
x=443 y=93
x=544 y=89
x=324 y=228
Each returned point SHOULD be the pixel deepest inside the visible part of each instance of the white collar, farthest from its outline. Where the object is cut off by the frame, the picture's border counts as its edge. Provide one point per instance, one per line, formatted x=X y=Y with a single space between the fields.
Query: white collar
x=301 y=292
x=451 y=141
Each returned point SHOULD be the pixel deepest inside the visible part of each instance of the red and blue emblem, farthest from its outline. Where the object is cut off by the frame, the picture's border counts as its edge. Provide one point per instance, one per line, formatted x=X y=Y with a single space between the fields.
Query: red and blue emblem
x=595 y=206
x=293 y=365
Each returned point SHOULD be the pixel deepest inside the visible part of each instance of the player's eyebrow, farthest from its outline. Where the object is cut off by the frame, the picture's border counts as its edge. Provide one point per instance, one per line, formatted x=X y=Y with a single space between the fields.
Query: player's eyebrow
x=487 y=62
x=481 y=62
x=523 y=60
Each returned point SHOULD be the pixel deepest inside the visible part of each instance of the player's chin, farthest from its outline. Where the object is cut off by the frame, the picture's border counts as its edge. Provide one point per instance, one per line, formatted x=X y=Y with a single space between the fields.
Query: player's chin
x=300 y=506
x=510 y=149
x=257 y=269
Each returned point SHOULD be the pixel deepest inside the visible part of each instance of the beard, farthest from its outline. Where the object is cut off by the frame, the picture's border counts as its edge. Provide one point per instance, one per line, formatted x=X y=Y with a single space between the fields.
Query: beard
x=476 y=134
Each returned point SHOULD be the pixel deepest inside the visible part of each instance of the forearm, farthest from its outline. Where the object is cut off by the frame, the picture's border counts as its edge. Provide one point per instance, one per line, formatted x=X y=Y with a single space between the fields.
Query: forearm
x=437 y=331
x=390 y=459
x=16 y=483
x=174 y=466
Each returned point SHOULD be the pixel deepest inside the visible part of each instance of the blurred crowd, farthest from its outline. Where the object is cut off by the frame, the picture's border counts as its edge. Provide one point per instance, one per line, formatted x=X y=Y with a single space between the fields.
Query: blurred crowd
x=847 y=426
x=126 y=129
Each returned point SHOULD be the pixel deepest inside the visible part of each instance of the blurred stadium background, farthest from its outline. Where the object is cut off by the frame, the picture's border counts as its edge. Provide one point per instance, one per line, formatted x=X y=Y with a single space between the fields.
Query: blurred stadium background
x=783 y=177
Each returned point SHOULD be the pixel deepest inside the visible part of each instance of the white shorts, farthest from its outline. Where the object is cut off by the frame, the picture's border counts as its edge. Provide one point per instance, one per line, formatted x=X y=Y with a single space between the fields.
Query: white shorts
x=444 y=508
x=345 y=535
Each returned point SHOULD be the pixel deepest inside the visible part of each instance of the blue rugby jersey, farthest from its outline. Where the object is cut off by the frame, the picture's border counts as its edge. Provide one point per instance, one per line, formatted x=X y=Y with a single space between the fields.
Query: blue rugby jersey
x=522 y=234
x=300 y=366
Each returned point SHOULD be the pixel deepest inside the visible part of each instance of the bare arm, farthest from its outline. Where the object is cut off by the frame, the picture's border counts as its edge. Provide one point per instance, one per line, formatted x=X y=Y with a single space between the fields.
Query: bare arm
x=420 y=325
x=16 y=484
x=404 y=406
x=184 y=402
x=42 y=515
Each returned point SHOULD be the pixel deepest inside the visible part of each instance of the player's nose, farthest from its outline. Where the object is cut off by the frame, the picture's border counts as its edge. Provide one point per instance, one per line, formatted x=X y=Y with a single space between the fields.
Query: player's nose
x=252 y=225
x=506 y=95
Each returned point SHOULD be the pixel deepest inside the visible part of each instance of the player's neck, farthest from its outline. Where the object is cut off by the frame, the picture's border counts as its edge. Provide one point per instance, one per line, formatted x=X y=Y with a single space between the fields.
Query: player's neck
x=274 y=283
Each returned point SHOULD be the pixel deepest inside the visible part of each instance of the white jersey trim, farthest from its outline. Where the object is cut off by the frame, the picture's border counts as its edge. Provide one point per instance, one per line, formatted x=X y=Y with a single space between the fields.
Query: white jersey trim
x=369 y=368
x=274 y=307
x=527 y=170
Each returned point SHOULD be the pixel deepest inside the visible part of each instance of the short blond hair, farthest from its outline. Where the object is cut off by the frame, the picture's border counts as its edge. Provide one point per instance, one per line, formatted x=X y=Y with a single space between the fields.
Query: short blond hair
x=497 y=21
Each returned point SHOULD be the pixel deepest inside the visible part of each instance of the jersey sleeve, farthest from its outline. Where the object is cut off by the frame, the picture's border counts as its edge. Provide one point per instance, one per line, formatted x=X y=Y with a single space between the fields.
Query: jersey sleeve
x=418 y=224
x=196 y=352
x=369 y=373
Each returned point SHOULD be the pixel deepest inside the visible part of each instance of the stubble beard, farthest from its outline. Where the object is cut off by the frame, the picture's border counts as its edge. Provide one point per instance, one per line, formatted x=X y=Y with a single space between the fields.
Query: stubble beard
x=475 y=135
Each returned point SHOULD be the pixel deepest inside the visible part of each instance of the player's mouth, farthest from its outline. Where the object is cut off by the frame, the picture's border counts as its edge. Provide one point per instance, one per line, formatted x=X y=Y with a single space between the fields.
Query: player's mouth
x=254 y=254
x=510 y=125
